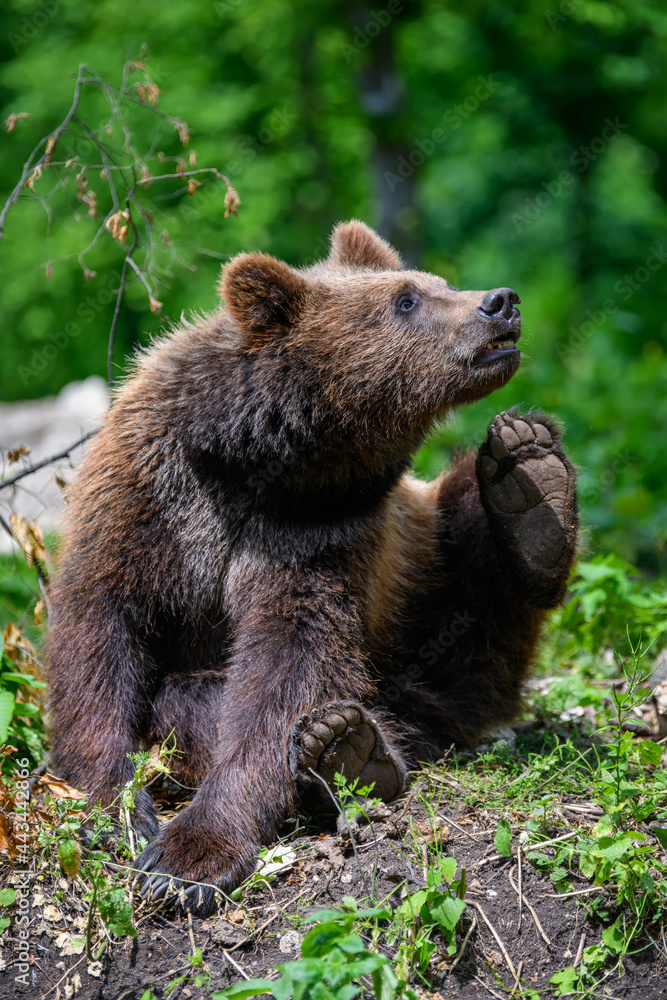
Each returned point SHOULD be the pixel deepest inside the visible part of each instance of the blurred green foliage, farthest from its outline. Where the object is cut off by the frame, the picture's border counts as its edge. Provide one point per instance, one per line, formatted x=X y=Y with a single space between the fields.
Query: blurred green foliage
x=521 y=145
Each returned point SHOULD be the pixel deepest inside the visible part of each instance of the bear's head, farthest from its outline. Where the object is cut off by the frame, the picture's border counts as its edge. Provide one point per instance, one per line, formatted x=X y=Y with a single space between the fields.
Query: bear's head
x=388 y=348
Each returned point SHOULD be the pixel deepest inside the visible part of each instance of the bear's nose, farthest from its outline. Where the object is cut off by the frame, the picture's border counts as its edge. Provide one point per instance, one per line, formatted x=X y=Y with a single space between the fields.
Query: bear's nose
x=500 y=302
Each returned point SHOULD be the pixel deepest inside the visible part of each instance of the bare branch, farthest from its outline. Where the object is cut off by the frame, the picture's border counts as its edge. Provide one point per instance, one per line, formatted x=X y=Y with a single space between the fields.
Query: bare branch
x=116 y=312
x=49 y=141
x=4 y=483
x=183 y=175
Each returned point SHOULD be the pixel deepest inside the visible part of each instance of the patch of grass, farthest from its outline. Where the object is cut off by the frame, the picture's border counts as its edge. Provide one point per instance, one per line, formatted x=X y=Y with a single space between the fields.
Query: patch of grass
x=610 y=601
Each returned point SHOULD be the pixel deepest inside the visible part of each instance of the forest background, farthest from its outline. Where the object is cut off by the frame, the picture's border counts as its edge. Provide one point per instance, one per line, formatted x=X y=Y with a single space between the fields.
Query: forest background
x=497 y=145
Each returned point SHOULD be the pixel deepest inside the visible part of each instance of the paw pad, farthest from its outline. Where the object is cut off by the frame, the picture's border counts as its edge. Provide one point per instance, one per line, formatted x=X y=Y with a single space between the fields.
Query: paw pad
x=527 y=487
x=342 y=738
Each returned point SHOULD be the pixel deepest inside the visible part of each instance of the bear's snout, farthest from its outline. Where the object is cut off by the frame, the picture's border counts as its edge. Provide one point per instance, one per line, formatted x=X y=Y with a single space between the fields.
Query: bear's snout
x=500 y=302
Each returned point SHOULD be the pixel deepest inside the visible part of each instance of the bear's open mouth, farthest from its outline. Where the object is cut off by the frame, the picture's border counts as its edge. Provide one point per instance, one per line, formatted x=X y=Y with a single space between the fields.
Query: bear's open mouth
x=499 y=347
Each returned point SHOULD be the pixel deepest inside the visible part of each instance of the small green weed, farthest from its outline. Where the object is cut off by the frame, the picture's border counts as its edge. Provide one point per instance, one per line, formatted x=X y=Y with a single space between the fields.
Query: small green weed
x=629 y=785
x=91 y=870
x=438 y=907
x=354 y=800
x=201 y=979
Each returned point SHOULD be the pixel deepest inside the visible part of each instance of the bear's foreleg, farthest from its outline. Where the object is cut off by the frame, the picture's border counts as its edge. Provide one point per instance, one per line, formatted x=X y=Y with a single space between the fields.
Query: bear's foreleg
x=99 y=676
x=506 y=542
x=296 y=647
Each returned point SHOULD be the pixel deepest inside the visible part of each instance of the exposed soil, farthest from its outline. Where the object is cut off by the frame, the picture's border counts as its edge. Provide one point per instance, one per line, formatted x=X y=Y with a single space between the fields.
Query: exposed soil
x=254 y=935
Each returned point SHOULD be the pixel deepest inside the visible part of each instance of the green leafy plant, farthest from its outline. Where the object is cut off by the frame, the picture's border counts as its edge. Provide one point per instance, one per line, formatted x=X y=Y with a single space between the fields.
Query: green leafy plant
x=334 y=960
x=21 y=722
x=7 y=898
x=148 y=764
x=354 y=799
x=106 y=893
x=631 y=788
x=438 y=907
x=606 y=593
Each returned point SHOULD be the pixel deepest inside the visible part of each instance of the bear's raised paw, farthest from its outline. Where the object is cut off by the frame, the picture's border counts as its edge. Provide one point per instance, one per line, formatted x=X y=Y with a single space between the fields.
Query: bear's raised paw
x=527 y=487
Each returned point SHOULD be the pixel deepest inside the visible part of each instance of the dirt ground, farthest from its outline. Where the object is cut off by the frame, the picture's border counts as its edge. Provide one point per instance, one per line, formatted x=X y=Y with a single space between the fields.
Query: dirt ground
x=520 y=933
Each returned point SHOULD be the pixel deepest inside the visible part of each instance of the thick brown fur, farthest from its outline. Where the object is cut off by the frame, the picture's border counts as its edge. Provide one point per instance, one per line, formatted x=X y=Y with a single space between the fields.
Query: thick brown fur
x=244 y=545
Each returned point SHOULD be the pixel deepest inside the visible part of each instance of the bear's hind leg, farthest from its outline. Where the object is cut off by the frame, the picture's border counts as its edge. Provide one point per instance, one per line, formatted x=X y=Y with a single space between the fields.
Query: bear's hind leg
x=343 y=738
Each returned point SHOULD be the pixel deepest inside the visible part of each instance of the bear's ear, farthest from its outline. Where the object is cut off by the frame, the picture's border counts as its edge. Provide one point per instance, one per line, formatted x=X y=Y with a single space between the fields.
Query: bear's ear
x=354 y=244
x=265 y=296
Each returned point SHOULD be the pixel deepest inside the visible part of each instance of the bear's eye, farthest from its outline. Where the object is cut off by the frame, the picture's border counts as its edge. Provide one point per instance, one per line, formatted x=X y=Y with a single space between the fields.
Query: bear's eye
x=406 y=302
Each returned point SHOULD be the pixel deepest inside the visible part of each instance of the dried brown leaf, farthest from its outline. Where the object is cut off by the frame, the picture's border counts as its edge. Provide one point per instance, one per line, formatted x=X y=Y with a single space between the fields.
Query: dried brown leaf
x=12 y=637
x=10 y=122
x=50 y=145
x=9 y=847
x=58 y=787
x=90 y=199
x=19 y=648
x=182 y=129
x=148 y=93
x=15 y=453
x=29 y=537
x=118 y=224
x=34 y=177
x=232 y=200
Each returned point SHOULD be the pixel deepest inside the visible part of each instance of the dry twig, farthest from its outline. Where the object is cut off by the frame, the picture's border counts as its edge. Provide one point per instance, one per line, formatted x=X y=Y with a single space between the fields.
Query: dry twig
x=580 y=950
x=532 y=913
x=462 y=949
x=496 y=935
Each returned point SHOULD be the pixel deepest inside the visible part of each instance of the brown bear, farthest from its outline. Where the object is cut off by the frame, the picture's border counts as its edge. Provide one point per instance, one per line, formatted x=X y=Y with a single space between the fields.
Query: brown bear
x=250 y=565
